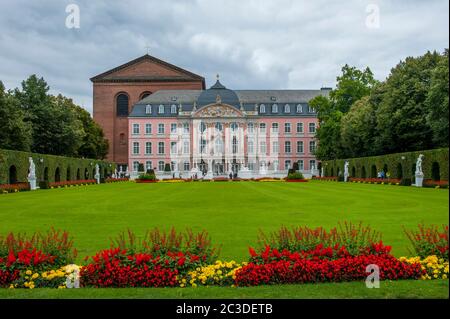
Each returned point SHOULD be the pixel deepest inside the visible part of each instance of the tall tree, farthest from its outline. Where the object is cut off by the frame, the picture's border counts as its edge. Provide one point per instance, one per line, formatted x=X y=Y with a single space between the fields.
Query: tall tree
x=15 y=133
x=358 y=129
x=402 y=112
x=437 y=102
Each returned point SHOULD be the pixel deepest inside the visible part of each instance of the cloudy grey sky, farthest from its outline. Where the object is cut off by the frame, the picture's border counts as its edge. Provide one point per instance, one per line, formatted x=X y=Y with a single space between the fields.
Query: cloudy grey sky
x=251 y=44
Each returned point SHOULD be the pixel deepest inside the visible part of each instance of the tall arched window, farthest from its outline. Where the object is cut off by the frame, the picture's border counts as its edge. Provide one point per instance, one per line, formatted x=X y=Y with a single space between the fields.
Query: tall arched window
x=122 y=105
x=275 y=108
x=218 y=146
x=235 y=145
x=148 y=109
x=299 y=108
x=145 y=94
x=161 y=109
x=173 y=109
x=287 y=108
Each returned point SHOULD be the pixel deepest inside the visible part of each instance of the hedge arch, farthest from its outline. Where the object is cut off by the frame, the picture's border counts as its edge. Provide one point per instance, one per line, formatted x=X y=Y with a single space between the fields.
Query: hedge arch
x=353 y=171
x=385 y=169
x=57 y=175
x=332 y=171
x=373 y=171
x=45 y=178
x=78 y=174
x=86 y=173
x=12 y=175
x=68 y=176
x=399 y=171
x=435 y=171
x=363 y=172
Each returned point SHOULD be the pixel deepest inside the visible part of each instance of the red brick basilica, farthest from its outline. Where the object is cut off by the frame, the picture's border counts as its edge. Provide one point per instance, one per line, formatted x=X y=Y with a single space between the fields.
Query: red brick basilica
x=117 y=90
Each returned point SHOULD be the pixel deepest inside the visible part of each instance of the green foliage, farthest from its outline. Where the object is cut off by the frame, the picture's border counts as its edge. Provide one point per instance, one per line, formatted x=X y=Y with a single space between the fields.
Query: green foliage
x=295 y=175
x=399 y=165
x=437 y=102
x=85 y=168
x=15 y=133
x=147 y=177
x=42 y=123
x=429 y=240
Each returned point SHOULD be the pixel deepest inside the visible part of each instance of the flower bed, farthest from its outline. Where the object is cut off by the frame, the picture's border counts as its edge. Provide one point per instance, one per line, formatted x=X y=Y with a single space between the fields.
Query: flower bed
x=390 y=181
x=146 y=180
x=174 y=180
x=297 y=180
x=326 y=178
x=435 y=184
x=14 y=188
x=115 y=180
x=72 y=183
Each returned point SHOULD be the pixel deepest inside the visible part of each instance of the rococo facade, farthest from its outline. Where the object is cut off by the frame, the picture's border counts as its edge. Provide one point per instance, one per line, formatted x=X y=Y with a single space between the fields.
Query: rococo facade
x=218 y=132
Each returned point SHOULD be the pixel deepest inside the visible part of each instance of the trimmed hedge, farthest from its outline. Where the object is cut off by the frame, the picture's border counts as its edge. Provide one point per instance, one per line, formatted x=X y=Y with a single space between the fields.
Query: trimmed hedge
x=48 y=167
x=399 y=165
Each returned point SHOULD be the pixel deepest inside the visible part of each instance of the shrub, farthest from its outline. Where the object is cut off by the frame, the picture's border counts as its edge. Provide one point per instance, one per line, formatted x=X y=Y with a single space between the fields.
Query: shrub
x=354 y=238
x=295 y=175
x=147 y=177
x=44 y=185
x=429 y=240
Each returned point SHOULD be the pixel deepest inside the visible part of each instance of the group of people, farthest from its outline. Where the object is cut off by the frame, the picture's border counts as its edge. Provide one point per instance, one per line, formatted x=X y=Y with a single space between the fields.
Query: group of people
x=382 y=174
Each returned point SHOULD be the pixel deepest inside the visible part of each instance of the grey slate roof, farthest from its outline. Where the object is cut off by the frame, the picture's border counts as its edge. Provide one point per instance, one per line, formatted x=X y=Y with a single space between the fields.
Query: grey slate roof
x=248 y=98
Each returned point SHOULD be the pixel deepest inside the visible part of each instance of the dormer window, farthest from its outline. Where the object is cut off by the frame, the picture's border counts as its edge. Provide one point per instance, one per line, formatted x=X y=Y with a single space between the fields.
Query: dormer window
x=173 y=109
x=262 y=108
x=287 y=108
x=311 y=109
x=161 y=109
x=148 y=109
x=299 y=108
x=275 y=108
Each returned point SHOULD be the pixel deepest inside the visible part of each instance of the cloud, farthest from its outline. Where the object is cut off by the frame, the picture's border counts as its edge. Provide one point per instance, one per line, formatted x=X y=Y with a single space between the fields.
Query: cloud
x=251 y=44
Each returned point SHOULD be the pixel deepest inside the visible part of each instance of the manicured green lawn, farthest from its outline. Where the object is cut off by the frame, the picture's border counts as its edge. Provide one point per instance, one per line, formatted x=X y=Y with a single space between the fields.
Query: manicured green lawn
x=232 y=212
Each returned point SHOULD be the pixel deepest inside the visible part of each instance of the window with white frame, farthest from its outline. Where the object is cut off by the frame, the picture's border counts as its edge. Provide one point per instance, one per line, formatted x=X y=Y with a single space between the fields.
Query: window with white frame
x=275 y=165
x=148 y=148
x=148 y=165
x=299 y=127
x=251 y=166
x=135 y=166
x=250 y=148
x=250 y=127
x=287 y=164
x=172 y=166
x=299 y=108
x=148 y=109
x=275 y=147
x=173 y=128
x=234 y=127
x=287 y=128
x=312 y=127
x=161 y=128
x=312 y=146
x=287 y=108
x=186 y=166
x=299 y=146
x=173 y=147
x=234 y=145
x=218 y=146
x=262 y=108
x=311 y=109
x=148 y=129
x=287 y=147
x=262 y=128
x=262 y=147
x=135 y=148
x=203 y=146
x=185 y=128
x=161 y=166
x=301 y=165
x=202 y=127
x=186 y=147
x=312 y=164
x=173 y=109
x=160 y=147
x=274 y=127
x=135 y=129
x=161 y=109
x=275 y=108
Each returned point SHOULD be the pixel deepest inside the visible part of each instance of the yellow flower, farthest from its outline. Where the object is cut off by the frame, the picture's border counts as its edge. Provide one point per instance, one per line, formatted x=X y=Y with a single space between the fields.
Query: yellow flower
x=35 y=275
x=28 y=272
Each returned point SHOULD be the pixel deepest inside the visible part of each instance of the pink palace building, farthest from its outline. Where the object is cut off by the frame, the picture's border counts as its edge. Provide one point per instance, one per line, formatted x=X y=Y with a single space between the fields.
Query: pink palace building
x=218 y=131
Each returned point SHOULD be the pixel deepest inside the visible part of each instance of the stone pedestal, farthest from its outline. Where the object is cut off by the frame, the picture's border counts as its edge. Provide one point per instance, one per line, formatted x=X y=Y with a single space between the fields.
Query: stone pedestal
x=32 y=181
x=209 y=175
x=97 y=178
x=345 y=177
x=419 y=181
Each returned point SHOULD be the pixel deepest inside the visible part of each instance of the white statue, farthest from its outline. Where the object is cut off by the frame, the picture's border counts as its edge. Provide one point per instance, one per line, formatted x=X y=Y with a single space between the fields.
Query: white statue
x=97 y=173
x=313 y=168
x=115 y=173
x=346 y=171
x=32 y=174
x=419 y=173
x=321 y=172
